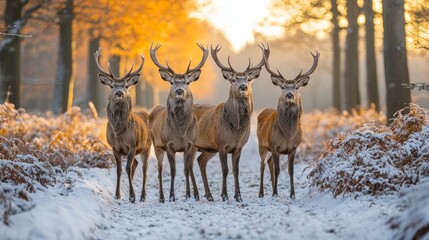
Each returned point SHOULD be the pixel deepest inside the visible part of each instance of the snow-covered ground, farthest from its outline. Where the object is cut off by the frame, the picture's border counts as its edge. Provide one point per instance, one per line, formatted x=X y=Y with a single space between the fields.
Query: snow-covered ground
x=84 y=207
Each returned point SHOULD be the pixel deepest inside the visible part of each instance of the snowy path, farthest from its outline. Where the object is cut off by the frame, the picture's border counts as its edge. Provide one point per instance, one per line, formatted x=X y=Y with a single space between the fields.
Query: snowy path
x=88 y=209
x=312 y=215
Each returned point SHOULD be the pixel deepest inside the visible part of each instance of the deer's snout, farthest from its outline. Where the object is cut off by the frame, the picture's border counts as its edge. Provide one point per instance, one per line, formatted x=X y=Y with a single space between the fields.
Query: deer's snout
x=180 y=92
x=119 y=94
x=243 y=87
x=289 y=96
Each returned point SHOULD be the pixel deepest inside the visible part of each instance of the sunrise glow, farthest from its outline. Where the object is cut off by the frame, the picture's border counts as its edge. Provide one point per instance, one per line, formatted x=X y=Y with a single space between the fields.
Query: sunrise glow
x=239 y=19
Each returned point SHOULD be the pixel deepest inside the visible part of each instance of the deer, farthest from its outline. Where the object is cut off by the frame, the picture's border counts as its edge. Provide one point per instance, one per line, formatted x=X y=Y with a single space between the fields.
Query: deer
x=225 y=128
x=173 y=128
x=127 y=131
x=279 y=130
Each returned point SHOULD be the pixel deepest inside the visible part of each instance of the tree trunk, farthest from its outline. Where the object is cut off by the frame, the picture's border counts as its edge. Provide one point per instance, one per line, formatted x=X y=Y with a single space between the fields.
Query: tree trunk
x=94 y=85
x=337 y=57
x=144 y=95
x=371 y=63
x=351 y=75
x=395 y=57
x=63 y=89
x=115 y=63
x=10 y=58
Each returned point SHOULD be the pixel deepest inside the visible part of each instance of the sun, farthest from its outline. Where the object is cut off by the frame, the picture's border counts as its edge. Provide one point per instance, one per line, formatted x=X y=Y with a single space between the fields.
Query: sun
x=238 y=19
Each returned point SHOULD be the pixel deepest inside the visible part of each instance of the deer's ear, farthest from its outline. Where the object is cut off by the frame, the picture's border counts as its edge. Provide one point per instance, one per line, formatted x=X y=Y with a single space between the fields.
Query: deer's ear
x=302 y=82
x=227 y=75
x=276 y=80
x=105 y=80
x=194 y=76
x=165 y=75
x=254 y=73
x=133 y=80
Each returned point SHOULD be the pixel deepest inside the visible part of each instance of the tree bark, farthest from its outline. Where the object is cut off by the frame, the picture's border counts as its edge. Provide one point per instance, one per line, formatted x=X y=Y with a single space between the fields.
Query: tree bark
x=351 y=75
x=64 y=80
x=115 y=63
x=10 y=57
x=395 y=57
x=371 y=63
x=94 y=85
x=337 y=56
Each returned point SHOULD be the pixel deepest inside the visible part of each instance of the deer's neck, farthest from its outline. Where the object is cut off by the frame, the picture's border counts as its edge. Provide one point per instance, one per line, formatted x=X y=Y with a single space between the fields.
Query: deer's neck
x=288 y=119
x=237 y=111
x=180 y=112
x=118 y=114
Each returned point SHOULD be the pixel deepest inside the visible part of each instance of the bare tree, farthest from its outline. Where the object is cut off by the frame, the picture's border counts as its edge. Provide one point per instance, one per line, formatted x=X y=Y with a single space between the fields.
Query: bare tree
x=63 y=89
x=371 y=63
x=351 y=74
x=94 y=90
x=395 y=57
x=10 y=48
x=336 y=61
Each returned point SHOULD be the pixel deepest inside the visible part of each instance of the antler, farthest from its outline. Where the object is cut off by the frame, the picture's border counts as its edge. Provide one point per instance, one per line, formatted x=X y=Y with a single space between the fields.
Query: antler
x=220 y=65
x=311 y=70
x=97 y=59
x=155 y=60
x=203 y=60
x=264 y=51
x=267 y=65
x=129 y=74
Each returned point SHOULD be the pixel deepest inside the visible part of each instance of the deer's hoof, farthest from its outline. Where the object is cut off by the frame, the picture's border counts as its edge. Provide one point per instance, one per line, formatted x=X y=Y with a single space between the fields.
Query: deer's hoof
x=172 y=198
x=238 y=198
x=132 y=199
x=118 y=196
x=224 y=197
x=197 y=197
x=209 y=198
x=161 y=200
x=261 y=195
x=292 y=196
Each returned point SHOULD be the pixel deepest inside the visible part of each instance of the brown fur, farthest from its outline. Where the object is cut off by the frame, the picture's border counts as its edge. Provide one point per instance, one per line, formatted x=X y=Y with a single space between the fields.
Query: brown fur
x=128 y=134
x=173 y=128
x=224 y=128
x=279 y=131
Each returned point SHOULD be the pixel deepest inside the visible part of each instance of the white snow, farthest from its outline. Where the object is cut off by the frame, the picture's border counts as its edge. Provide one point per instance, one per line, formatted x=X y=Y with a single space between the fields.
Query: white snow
x=82 y=206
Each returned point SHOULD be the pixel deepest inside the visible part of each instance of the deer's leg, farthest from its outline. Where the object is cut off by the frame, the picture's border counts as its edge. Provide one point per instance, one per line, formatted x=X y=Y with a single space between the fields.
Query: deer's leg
x=194 y=183
x=133 y=168
x=188 y=155
x=271 y=168
x=223 y=156
x=159 y=153
x=276 y=163
x=235 y=170
x=118 y=174
x=145 y=158
x=128 y=168
x=172 y=162
x=202 y=163
x=291 y=158
x=263 y=154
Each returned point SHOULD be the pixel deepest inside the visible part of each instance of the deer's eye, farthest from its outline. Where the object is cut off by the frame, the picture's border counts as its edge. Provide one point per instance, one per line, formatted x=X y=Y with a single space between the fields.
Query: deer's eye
x=282 y=87
x=233 y=80
x=187 y=83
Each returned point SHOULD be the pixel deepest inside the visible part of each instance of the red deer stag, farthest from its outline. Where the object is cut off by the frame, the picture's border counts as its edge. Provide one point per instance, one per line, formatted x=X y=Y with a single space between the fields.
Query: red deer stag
x=173 y=128
x=225 y=128
x=279 y=131
x=127 y=131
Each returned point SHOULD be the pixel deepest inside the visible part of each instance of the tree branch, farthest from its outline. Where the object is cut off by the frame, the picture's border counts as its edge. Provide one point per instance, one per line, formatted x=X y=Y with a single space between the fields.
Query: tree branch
x=18 y=25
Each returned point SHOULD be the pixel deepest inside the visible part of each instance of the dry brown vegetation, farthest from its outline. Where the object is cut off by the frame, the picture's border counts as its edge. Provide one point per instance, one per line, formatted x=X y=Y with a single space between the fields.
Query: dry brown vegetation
x=35 y=151
x=374 y=160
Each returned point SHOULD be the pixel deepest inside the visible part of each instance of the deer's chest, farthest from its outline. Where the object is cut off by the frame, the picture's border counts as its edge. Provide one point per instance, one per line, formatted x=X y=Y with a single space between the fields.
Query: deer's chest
x=284 y=143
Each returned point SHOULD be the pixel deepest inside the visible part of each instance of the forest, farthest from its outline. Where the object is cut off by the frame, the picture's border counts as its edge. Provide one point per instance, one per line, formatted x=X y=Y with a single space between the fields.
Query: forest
x=359 y=170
